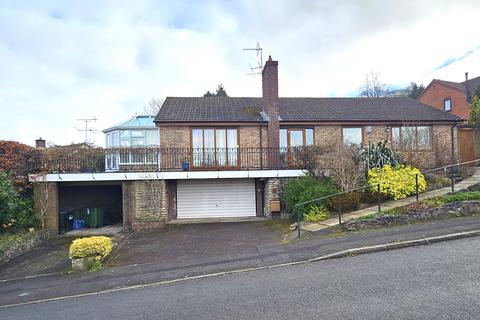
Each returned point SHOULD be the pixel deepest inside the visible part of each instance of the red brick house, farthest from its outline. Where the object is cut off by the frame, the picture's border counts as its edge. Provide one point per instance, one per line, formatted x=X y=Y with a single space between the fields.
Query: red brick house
x=456 y=98
x=449 y=96
x=229 y=156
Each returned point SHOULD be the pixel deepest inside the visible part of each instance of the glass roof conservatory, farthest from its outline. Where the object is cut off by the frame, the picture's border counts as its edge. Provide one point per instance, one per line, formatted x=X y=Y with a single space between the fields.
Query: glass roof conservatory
x=140 y=131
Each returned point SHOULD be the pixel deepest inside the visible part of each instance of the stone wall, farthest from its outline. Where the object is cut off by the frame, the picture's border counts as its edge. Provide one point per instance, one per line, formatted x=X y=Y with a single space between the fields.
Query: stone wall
x=450 y=210
x=274 y=191
x=149 y=204
x=26 y=243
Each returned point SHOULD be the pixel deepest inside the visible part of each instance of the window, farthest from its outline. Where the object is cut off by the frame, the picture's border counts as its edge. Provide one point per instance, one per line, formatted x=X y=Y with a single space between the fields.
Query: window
x=295 y=137
x=215 y=147
x=447 y=104
x=352 y=135
x=412 y=138
x=133 y=138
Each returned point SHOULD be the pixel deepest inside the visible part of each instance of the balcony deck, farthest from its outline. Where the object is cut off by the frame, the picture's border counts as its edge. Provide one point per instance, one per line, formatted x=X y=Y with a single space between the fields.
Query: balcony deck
x=124 y=160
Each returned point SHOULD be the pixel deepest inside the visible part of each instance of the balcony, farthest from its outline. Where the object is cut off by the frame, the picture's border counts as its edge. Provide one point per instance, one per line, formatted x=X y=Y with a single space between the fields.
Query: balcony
x=169 y=159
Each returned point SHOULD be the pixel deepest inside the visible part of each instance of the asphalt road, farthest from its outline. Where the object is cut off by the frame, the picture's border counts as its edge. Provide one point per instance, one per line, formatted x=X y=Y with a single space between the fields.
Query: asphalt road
x=439 y=281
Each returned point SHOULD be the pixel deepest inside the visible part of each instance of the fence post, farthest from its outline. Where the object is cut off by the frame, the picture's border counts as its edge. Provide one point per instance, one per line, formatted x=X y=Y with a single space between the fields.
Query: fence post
x=339 y=209
x=416 y=185
x=453 y=181
x=378 y=197
x=298 y=222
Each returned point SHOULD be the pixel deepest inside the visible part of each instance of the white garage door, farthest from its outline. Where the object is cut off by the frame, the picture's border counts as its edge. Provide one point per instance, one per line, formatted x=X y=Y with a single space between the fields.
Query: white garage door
x=215 y=198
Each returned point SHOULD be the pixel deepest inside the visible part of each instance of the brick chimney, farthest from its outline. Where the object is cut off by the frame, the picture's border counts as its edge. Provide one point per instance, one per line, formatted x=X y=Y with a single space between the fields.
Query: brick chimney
x=468 y=94
x=270 y=104
x=40 y=143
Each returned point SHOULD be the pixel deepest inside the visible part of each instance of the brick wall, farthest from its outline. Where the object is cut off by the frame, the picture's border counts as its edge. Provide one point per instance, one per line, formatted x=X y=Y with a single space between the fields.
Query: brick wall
x=328 y=134
x=435 y=94
x=175 y=137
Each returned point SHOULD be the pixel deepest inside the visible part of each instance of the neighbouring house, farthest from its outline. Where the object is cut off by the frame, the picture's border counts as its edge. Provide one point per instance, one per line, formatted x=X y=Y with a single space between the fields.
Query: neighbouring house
x=229 y=157
x=452 y=97
x=455 y=98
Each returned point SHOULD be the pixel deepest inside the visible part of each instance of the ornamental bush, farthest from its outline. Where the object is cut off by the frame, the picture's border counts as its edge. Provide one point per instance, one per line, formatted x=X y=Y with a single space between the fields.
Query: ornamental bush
x=308 y=188
x=316 y=213
x=396 y=183
x=97 y=246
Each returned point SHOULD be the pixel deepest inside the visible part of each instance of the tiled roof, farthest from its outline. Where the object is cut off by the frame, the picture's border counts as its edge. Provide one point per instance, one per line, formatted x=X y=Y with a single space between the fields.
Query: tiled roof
x=474 y=84
x=227 y=109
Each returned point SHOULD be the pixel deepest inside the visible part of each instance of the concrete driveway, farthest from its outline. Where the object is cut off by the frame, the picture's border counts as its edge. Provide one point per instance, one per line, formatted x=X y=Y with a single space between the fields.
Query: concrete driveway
x=199 y=242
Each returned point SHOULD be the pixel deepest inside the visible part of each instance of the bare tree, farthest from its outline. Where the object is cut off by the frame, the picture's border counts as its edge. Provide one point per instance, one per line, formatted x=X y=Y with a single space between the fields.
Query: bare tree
x=153 y=106
x=373 y=87
x=341 y=162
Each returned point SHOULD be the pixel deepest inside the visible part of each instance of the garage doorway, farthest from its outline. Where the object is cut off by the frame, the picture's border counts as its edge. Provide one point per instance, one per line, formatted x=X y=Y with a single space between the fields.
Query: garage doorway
x=90 y=206
x=216 y=198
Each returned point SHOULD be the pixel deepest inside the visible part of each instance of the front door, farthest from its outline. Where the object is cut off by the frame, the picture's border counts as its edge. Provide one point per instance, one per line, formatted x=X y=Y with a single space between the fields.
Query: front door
x=466 y=146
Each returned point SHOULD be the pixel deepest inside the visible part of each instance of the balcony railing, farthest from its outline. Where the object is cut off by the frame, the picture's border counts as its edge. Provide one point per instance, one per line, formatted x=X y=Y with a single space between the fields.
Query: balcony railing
x=170 y=159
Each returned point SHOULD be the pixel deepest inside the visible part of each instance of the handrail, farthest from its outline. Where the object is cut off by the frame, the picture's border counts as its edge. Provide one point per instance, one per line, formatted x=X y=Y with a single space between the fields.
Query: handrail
x=298 y=205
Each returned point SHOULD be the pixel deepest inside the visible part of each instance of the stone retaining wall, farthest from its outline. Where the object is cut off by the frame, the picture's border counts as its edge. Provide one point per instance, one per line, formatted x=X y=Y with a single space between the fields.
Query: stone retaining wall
x=449 y=210
x=25 y=244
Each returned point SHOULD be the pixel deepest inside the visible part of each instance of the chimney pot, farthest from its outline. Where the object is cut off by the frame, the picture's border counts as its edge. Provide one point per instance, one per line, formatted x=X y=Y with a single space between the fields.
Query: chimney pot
x=468 y=94
x=40 y=143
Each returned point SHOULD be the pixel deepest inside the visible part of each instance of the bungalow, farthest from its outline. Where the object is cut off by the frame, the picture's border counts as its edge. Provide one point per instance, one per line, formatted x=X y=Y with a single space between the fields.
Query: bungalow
x=229 y=156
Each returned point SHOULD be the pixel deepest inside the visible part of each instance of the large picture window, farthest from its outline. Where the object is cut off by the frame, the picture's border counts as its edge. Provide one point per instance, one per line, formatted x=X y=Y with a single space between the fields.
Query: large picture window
x=214 y=147
x=412 y=138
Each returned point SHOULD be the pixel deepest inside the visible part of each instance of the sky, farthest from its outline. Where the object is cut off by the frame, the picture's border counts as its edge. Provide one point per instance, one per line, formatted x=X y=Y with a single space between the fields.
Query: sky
x=66 y=60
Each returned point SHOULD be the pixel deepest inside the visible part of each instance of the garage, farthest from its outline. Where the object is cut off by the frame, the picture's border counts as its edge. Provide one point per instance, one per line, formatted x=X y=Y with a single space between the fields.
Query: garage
x=97 y=205
x=216 y=198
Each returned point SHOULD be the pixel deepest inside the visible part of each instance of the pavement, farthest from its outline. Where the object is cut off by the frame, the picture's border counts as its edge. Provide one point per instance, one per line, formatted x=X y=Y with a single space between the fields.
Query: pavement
x=464 y=184
x=439 y=281
x=247 y=248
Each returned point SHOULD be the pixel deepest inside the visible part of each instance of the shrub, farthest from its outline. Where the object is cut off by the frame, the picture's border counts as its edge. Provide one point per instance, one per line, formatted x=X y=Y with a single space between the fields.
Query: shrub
x=16 y=212
x=378 y=155
x=396 y=183
x=437 y=181
x=97 y=246
x=349 y=201
x=308 y=188
x=316 y=213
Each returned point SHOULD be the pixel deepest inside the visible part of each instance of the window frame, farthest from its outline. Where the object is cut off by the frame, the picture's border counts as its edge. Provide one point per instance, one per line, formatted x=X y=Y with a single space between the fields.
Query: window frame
x=449 y=99
x=304 y=136
x=400 y=146
x=235 y=160
x=362 y=128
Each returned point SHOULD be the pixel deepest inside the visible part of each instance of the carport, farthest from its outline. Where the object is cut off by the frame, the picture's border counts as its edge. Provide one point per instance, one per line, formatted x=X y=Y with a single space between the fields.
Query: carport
x=98 y=204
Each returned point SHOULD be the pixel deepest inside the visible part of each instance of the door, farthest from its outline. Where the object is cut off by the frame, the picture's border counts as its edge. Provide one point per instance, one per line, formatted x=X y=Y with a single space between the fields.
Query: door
x=466 y=147
x=216 y=198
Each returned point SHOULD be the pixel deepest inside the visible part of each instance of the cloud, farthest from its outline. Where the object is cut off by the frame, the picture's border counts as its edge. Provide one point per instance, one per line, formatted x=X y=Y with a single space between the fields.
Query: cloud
x=63 y=61
x=450 y=61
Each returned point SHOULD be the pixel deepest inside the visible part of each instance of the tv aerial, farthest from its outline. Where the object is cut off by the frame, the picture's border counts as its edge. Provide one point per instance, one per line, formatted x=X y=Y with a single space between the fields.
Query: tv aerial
x=87 y=128
x=256 y=69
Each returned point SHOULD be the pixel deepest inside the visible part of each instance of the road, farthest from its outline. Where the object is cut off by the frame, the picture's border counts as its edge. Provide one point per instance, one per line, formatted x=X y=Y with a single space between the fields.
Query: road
x=438 y=281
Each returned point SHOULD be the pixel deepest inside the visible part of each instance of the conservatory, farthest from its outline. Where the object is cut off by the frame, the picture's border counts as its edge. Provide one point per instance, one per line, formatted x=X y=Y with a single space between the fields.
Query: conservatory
x=123 y=139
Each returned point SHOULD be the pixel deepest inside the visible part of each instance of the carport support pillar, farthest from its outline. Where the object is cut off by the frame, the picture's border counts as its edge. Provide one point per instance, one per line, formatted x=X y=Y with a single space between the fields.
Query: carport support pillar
x=45 y=197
